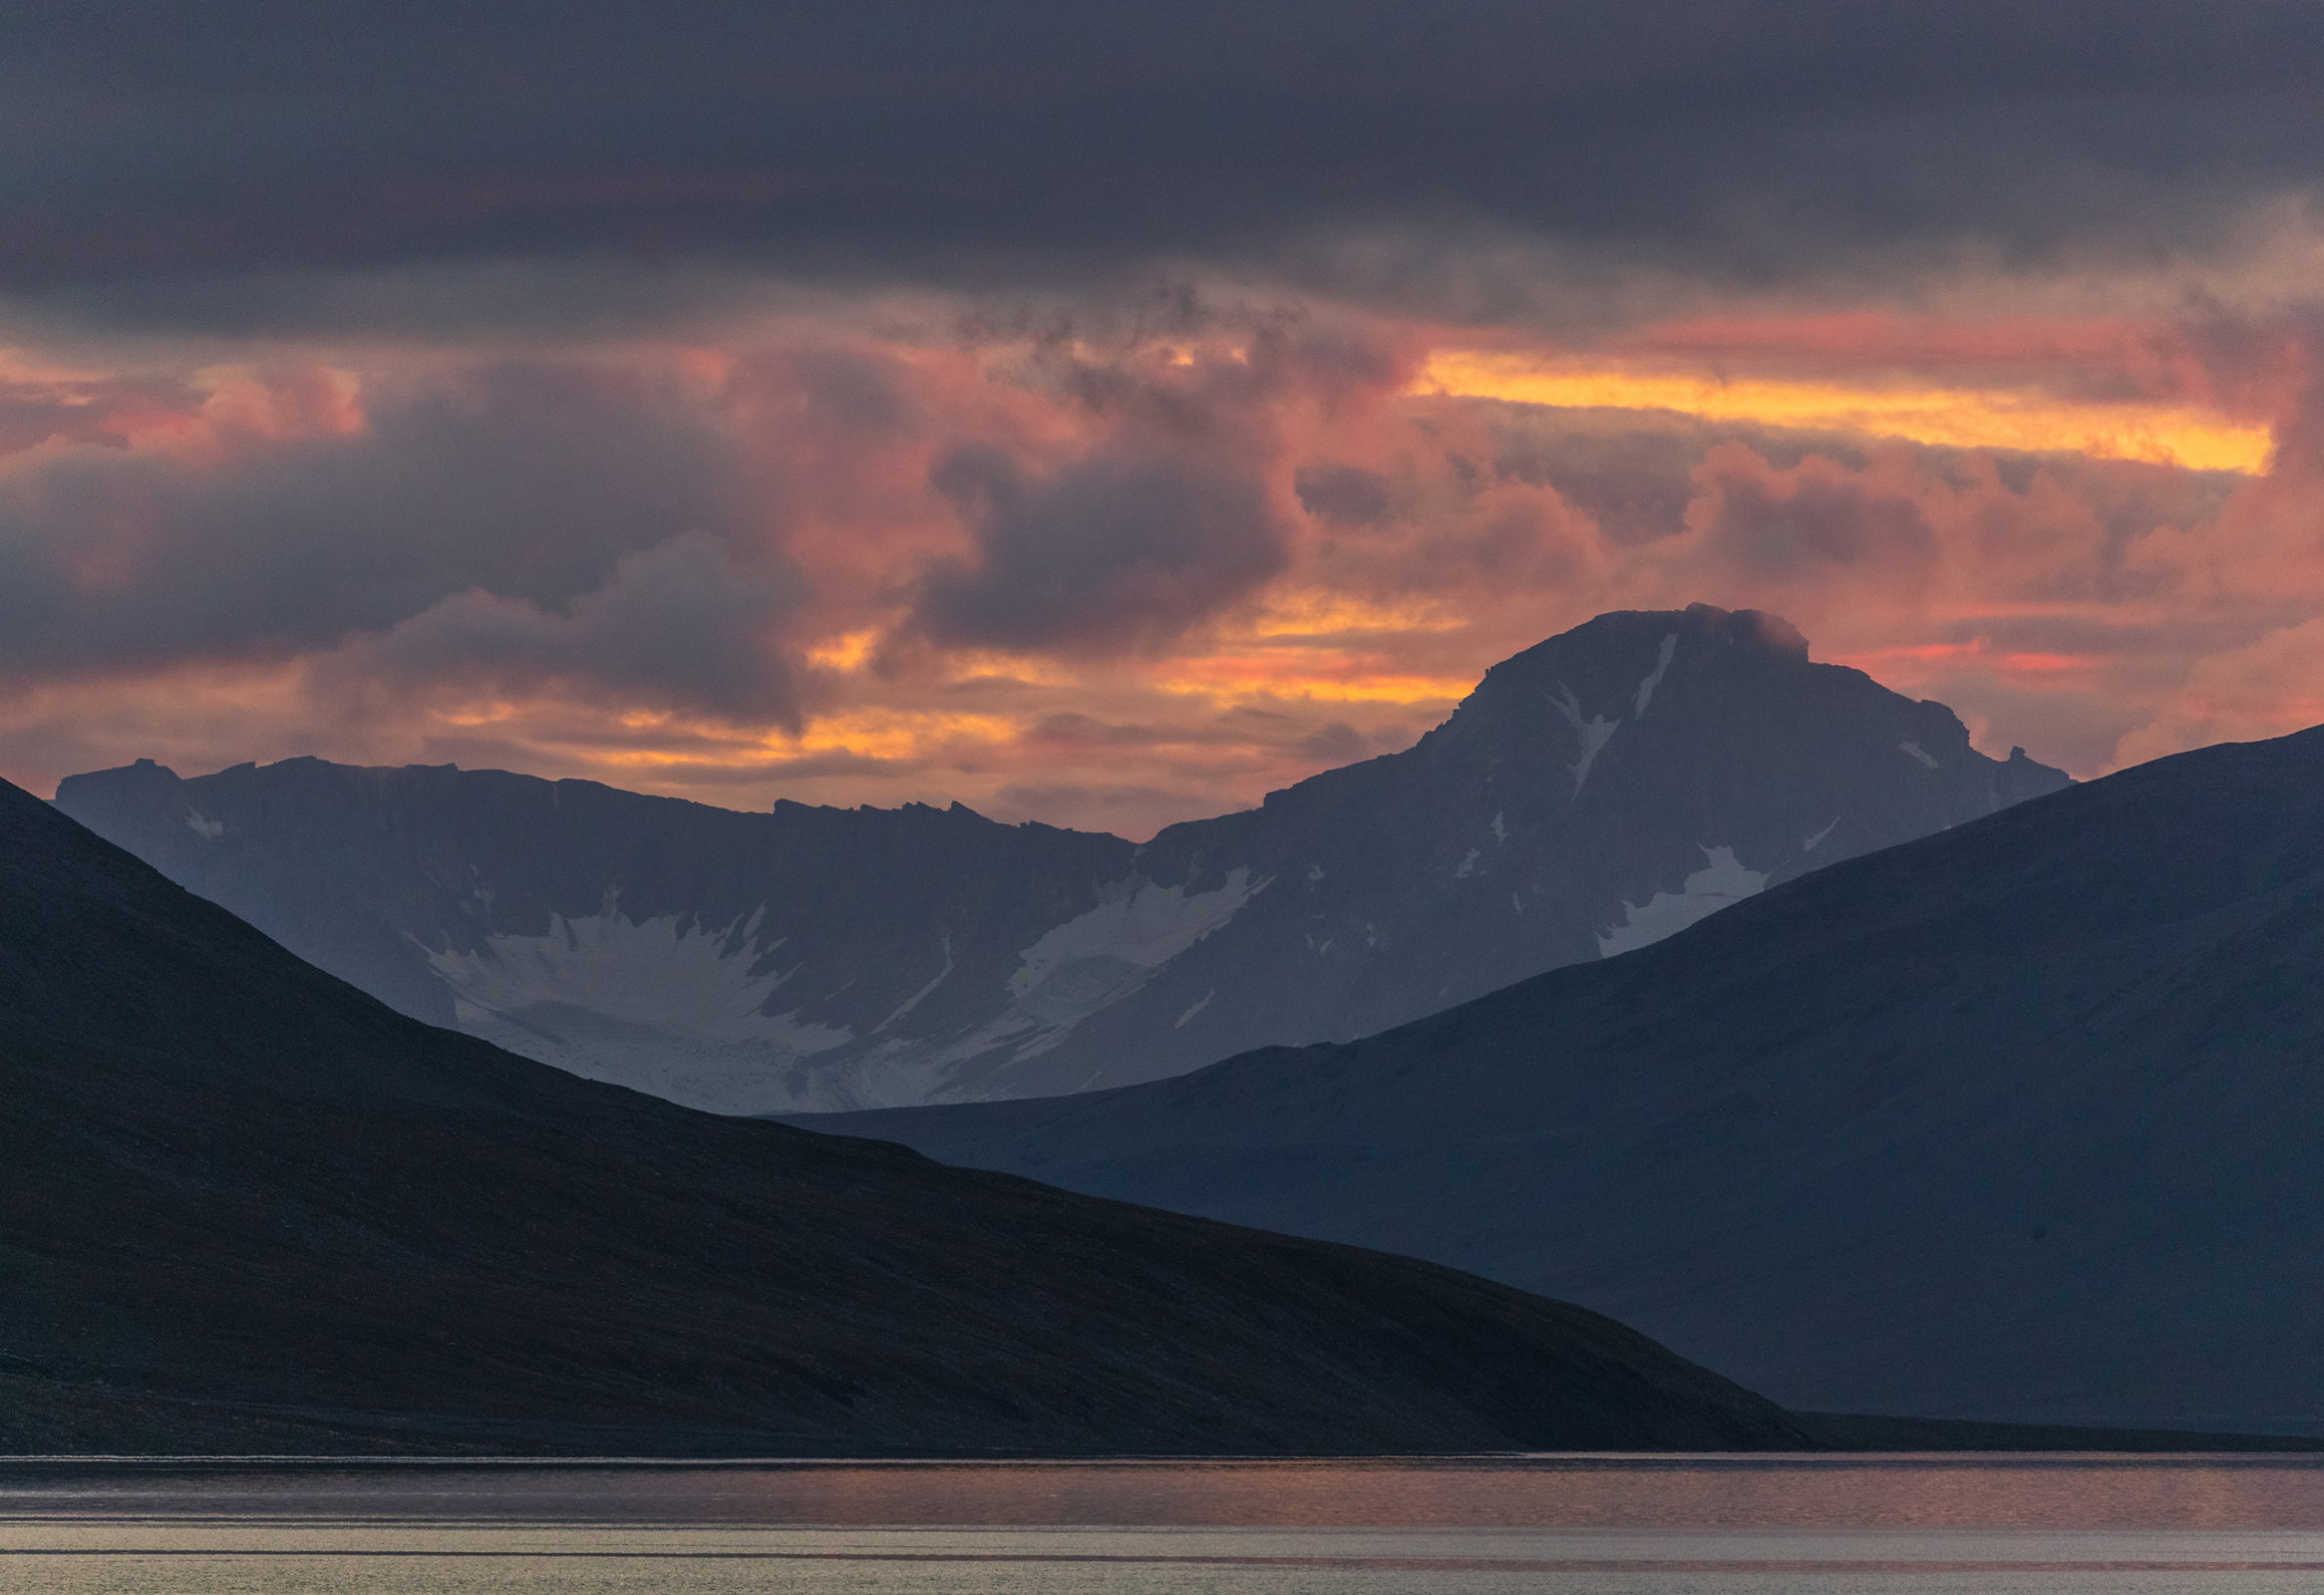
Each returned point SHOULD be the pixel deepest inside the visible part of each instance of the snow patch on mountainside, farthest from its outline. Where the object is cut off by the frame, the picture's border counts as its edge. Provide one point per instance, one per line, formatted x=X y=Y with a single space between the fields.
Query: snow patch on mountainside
x=1090 y=962
x=1594 y=733
x=654 y=1004
x=913 y=1001
x=1722 y=881
x=1136 y=922
x=670 y=1006
x=1661 y=665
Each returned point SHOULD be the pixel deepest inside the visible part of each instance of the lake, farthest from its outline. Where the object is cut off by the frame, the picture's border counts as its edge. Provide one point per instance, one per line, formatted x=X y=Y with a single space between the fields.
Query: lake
x=1641 y=1526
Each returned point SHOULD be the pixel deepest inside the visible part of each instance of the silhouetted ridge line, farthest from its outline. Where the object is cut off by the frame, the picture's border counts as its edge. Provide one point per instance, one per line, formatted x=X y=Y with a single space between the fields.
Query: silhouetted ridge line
x=251 y=1210
x=2015 y=1122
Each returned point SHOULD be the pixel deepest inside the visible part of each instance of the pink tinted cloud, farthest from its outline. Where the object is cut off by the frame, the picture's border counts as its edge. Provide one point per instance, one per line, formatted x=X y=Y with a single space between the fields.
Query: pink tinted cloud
x=100 y=412
x=1110 y=576
x=2270 y=688
x=682 y=625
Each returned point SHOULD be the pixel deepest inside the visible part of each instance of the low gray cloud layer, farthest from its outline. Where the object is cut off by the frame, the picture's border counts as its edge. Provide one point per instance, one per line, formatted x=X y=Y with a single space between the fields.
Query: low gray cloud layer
x=528 y=485
x=191 y=165
x=1122 y=551
x=677 y=626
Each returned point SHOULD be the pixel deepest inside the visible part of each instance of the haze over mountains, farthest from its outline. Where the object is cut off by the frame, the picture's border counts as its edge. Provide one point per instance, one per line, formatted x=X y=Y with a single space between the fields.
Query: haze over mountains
x=2018 y=1122
x=250 y=1209
x=1593 y=794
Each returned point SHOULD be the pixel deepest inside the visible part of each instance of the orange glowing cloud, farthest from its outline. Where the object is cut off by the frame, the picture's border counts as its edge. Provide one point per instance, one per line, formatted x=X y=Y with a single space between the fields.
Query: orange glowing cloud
x=1977 y=653
x=1314 y=674
x=1319 y=612
x=1997 y=349
x=870 y=733
x=2095 y=604
x=1952 y=417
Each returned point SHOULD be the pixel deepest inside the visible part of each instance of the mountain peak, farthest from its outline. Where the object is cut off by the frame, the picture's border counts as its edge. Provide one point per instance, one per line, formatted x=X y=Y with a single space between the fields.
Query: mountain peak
x=1753 y=630
x=1595 y=792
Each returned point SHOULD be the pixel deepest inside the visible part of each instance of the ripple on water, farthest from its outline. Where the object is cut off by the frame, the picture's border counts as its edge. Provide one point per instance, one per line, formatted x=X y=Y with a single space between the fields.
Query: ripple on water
x=2042 y=1525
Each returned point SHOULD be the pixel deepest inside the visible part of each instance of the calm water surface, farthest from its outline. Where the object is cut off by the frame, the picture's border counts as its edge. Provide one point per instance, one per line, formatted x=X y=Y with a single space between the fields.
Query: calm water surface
x=2043 y=1525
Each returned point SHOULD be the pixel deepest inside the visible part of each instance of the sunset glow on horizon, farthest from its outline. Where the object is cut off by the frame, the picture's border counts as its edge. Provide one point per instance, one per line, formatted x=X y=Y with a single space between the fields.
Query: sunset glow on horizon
x=1959 y=418
x=778 y=427
x=822 y=514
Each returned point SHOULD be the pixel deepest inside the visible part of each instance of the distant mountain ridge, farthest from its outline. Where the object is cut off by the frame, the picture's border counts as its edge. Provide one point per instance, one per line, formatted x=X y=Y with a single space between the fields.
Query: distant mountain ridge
x=1594 y=793
x=2016 y=1122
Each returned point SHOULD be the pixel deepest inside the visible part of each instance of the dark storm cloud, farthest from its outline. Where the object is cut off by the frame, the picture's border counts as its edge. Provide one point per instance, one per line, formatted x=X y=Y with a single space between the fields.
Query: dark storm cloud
x=1336 y=743
x=1347 y=495
x=1634 y=483
x=1117 y=553
x=1777 y=523
x=674 y=626
x=161 y=155
x=528 y=483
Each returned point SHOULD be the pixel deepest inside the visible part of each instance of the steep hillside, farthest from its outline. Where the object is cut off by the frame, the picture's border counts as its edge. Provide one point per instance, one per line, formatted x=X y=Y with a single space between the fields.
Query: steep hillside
x=250 y=1209
x=2019 y=1122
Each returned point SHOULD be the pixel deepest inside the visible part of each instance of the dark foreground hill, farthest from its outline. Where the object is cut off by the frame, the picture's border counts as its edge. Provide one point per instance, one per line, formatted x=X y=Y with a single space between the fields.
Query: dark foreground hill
x=1595 y=792
x=249 y=1209
x=2022 y=1121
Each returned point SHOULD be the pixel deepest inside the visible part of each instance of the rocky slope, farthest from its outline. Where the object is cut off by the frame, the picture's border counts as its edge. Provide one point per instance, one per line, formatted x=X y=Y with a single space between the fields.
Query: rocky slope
x=2018 y=1122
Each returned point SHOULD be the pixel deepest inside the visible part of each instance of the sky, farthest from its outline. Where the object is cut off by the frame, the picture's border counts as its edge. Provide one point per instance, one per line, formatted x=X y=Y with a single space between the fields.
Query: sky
x=1105 y=413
